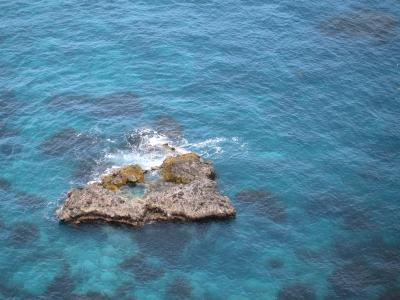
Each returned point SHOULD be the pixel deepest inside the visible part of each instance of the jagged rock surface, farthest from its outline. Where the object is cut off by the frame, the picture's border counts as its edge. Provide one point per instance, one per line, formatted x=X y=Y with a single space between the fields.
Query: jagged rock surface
x=94 y=202
x=163 y=200
x=121 y=176
x=186 y=168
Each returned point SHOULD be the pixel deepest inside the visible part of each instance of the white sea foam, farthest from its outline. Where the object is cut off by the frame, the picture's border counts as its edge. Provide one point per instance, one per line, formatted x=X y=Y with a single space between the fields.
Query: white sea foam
x=148 y=148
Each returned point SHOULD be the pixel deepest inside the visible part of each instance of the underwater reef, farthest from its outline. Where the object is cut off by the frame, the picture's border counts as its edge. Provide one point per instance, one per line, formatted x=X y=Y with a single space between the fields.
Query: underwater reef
x=183 y=188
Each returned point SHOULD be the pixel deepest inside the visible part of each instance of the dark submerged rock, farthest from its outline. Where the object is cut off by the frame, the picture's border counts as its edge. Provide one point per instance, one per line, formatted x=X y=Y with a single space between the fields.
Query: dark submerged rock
x=62 y=286
x=116 y=104
x=179 y=288
x=10 y=149
x=306 y=254
x=23 y=233
x=13 y=292
x=91 y=296
x=392 y=293
x=265 y=203
x=297 y=291
x=332 y=204
x=113 y=104
x=4 y=184
x=353 y=278
x=356 y=219
x=9 y=104
x=68 y=141
x=6 y=131
x=168 y=126
x=141 y=269
x=275 y=263
x=30 y=201
x=375 y=24
x=165 y=241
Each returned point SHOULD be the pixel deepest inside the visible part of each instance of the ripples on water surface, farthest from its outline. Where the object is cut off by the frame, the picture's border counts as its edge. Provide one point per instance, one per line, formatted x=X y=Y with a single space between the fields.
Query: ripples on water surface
x=296 y=102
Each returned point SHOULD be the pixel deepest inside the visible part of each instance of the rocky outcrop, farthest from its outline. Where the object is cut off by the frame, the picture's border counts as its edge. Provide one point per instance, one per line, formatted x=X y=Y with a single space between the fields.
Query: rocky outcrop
x=186 y=191
x=183 y=202
x=185 y=168
x=121 y=176
x=94 y=202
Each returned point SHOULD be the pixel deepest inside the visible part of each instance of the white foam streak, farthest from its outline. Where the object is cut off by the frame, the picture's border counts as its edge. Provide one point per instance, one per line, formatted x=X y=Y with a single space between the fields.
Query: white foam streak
x=149 y=149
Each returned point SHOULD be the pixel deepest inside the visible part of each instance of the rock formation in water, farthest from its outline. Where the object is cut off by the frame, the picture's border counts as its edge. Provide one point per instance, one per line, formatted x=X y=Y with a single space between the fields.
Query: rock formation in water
x=186 y=191
x=126 y=175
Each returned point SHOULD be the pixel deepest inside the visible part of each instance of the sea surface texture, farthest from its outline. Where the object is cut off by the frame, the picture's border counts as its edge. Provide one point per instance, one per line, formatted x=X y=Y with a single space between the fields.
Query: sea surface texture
x=296 y=102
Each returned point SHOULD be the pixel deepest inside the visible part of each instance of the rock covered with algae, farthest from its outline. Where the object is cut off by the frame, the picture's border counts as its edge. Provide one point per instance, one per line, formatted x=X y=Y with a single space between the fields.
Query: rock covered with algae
x=186 y=191
x=186 y=168
x=118 y=177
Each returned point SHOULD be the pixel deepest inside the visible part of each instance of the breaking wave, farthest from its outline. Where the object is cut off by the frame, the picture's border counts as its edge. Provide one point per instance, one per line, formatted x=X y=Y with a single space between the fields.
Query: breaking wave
x=149 y=148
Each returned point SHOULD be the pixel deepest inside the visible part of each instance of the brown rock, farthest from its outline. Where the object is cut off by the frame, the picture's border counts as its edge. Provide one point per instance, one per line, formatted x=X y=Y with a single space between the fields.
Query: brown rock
x=185 y=168
x=195 y=199
x=122 y=176
x=95 y=203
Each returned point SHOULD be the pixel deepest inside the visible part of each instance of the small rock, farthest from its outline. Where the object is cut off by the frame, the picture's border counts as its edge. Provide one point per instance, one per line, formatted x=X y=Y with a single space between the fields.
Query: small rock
x=185 y=168
x=122 y=176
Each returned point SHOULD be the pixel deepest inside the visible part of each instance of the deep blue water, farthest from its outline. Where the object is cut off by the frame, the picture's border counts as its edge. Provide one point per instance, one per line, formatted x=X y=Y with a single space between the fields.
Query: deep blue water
x=296 y=102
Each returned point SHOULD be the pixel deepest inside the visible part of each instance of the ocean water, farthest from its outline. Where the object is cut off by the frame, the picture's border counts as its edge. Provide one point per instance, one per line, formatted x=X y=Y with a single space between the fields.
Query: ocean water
x=296 y=103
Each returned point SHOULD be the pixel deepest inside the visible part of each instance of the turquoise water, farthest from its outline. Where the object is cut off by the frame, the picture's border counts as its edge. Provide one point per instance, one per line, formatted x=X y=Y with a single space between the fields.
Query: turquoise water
x=296 y=102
